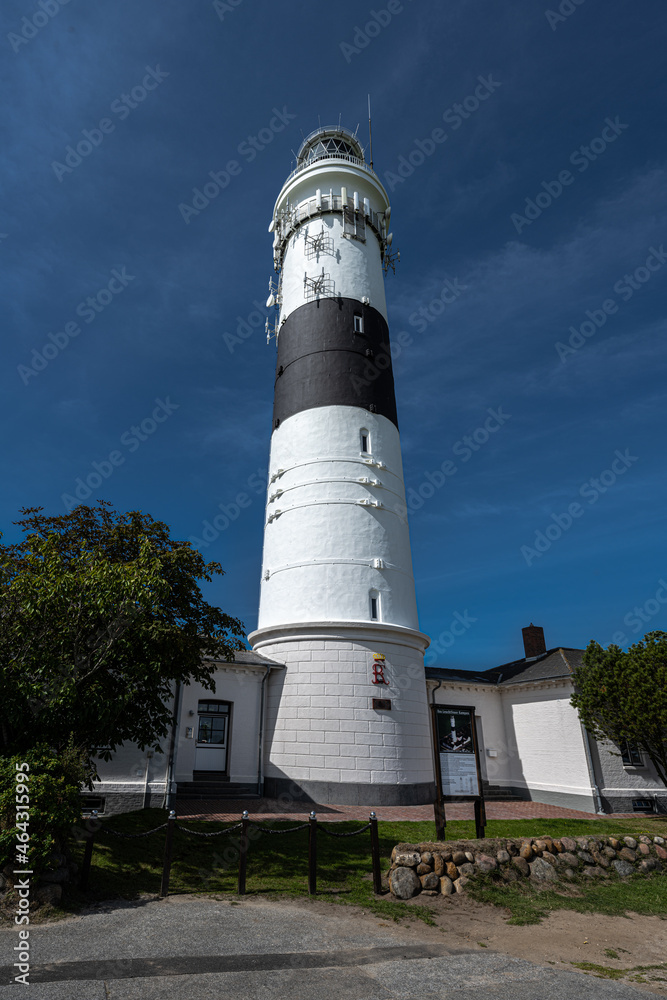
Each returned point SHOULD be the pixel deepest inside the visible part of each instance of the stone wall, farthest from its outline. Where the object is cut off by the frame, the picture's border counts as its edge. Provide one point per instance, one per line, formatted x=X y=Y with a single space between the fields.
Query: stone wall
x=447 y=867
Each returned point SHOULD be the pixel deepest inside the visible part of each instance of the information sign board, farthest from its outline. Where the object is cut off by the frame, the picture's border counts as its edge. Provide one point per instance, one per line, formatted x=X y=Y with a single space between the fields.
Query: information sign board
x=456 y=751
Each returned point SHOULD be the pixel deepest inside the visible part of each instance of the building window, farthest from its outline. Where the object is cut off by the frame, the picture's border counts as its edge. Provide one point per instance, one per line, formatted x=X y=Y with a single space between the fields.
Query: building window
x=375 y=606
x=216 y=707
x=90 y=802
x=358 y=324
x=365 y=440
x=630 y=754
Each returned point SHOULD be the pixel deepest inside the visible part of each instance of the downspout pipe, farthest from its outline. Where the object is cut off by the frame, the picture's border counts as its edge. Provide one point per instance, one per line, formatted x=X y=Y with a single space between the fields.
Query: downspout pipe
x=260 y=741
x=599 y=808
x=149 y=754
x=167 y=802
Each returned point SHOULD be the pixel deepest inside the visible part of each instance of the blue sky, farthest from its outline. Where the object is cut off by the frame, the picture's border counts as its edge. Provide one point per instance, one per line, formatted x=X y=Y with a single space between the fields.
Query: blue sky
x=160 y=346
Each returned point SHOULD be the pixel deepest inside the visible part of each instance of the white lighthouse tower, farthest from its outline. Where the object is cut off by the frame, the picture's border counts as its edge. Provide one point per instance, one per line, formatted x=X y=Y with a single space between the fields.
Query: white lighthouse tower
x=347 y=721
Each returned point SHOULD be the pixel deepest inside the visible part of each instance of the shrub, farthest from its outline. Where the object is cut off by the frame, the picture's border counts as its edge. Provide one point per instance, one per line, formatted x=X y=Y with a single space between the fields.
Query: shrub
x=54 y=782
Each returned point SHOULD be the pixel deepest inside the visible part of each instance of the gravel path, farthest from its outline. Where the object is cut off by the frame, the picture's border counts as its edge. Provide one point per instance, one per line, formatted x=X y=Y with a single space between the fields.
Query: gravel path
x=200 y=948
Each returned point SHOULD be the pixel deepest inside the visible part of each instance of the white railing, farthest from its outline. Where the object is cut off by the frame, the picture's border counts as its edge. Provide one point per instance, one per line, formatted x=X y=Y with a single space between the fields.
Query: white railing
x=345 y=157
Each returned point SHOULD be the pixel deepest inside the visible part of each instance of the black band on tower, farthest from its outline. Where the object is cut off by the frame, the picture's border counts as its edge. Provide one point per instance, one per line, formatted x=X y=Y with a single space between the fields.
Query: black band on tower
x=324 y=361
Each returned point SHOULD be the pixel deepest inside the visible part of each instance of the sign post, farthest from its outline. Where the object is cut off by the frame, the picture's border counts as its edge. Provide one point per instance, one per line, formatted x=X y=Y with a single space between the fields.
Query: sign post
x=457 y=762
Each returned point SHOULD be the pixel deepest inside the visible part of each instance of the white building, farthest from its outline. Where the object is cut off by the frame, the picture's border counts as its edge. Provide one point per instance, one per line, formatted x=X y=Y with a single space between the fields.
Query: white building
x=331 y=704
x=531 y=741
x=532 y=745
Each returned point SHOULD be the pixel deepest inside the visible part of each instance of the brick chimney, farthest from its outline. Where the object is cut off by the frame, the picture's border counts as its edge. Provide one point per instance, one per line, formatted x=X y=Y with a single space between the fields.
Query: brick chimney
x=533 y=641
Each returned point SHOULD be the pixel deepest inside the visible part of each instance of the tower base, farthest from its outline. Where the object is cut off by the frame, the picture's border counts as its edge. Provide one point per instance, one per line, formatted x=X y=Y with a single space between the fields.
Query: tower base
x=347 y=721
x=350 y=793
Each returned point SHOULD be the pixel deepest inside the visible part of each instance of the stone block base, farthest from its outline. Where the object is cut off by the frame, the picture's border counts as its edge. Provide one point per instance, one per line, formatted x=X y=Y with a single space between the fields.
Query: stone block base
x=350 y=793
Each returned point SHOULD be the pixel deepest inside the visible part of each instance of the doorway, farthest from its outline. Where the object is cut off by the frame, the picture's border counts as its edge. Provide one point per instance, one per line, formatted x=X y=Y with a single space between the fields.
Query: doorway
x=212 y=746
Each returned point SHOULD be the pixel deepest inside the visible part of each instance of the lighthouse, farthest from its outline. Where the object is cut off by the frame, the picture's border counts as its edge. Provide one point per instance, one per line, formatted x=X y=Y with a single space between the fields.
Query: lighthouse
x=347 y=721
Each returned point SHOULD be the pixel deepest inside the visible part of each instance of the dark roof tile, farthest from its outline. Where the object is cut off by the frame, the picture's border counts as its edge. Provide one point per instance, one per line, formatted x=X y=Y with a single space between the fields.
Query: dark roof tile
x=558 y=662
x=554 y=663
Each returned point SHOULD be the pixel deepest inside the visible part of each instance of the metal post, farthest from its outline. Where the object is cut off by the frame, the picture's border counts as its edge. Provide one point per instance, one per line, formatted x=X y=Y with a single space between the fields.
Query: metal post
x=166 y=864
x=375 y=855
x=312 y=854
x=480 y=818
x=92 y=828
x=243 y=852
x=440 y=818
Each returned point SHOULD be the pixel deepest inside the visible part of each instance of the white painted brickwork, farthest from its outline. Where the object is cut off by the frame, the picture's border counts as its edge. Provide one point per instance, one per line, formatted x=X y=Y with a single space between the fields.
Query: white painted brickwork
x=637 y=780
x=338 y=737
x=539 y=726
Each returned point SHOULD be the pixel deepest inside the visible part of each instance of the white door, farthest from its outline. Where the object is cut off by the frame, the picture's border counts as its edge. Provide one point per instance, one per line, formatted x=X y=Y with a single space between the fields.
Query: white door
x=212 y=736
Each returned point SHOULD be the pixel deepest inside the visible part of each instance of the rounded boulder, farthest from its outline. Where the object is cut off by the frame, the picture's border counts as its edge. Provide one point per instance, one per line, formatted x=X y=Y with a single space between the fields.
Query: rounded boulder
x=404 y=883
x=430 y=881
x=446 y=886
x=407 y=859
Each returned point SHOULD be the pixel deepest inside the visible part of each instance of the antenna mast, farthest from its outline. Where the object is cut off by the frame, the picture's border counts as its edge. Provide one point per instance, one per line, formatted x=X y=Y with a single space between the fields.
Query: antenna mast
x=370 y=134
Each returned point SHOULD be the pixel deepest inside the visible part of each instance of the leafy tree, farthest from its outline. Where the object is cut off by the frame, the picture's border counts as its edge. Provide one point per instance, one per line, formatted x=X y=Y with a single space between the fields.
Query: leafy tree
x=623 y=696
x=101 y=616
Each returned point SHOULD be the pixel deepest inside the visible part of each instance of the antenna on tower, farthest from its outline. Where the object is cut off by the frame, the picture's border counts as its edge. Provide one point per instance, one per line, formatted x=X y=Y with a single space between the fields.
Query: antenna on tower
x=340 y=114
x=370 y=134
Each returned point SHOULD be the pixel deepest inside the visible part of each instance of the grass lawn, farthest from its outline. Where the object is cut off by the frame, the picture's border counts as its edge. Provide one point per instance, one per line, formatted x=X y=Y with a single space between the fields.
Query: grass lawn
x=277 y=864
x=615 y=897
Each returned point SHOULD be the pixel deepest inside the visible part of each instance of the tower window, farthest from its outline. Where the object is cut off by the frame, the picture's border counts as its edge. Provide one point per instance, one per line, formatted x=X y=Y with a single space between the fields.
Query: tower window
x=365 y=440
x=374 y=605
x=358 y=324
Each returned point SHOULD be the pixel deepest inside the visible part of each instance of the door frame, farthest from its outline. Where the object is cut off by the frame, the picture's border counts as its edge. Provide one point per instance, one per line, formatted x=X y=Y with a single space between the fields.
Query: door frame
x=228 y=744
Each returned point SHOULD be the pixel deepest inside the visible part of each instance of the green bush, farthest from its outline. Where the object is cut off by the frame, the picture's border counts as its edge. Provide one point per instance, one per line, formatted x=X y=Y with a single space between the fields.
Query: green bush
x=53 y=781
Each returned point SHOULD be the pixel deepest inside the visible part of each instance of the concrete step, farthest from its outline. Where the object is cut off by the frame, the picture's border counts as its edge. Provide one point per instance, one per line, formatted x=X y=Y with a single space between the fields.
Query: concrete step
x=195 y=786
x=500 y=795
x=238 y=797
x=211 y=789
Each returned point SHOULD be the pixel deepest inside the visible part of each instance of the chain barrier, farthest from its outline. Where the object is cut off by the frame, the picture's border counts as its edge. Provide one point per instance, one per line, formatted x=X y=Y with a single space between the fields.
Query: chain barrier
x=353 y=833
x=265 y=829
x=200 y=833
x=171 y=825
x=130 y=836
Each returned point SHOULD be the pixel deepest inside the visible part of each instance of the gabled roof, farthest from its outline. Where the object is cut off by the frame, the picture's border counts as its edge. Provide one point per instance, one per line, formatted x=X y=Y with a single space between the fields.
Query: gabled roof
x=453 y=675
x=557 y=662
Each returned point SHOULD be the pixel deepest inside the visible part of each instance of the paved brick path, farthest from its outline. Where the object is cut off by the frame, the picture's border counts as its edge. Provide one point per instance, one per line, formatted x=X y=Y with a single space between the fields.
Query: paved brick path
x=229 y=809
